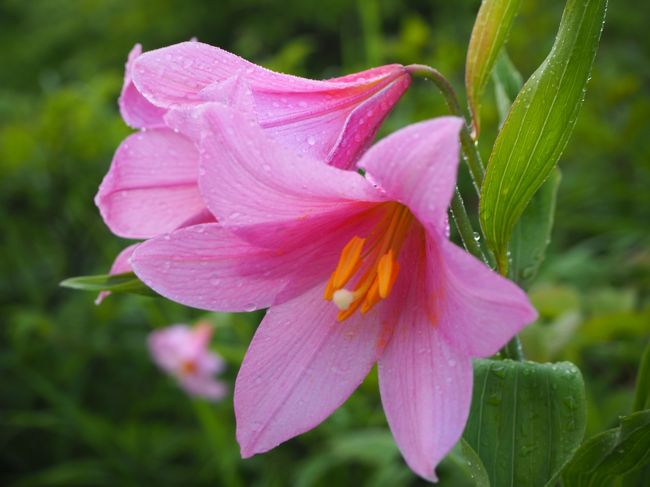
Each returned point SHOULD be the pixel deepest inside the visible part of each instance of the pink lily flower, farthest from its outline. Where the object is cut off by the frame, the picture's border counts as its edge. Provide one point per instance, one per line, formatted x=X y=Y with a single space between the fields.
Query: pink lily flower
x=356 y=271
x=183 y=353
x=151 y=187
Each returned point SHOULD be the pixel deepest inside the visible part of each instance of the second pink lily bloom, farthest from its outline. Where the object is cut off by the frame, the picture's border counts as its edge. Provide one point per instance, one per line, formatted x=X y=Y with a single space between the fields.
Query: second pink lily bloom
x=151 y=187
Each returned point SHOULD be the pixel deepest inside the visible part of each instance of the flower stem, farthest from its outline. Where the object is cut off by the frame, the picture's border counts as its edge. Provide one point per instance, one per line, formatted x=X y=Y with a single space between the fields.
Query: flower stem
x=513 y=349
x=470 y=150
x=641 y=397
x=464 y=226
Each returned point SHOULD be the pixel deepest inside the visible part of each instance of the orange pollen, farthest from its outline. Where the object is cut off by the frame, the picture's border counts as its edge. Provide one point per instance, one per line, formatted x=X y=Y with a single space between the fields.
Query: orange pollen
x=377 y=255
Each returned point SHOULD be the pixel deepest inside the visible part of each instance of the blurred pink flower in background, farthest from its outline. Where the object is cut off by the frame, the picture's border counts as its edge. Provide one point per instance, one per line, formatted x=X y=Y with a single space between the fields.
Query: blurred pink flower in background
x=356 y=271
x=183 y=352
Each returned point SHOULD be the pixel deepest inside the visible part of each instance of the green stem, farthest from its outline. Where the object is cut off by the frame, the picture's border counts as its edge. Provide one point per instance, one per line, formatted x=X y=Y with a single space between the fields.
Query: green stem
x=218 y=438
x=513 y=350
x=470 y=150
x=371 y=29
x=643 y=379
x=464 y=226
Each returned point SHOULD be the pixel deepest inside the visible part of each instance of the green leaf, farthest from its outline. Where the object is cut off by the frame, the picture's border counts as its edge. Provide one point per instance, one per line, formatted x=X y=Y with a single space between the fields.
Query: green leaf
x=507 y=83
x=539 y=124
x=611 y=453
x=532 y=233
x=491 y=29
x=465 y=458
x=127 y=282
x=372 y=447
x=526 y=419
x=642 y=394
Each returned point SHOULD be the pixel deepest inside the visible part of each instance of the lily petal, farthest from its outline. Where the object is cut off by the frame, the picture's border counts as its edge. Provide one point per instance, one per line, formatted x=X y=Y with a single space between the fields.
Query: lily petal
x=301 y=365
x=151 y=187
x=208 y=267
x=249 y=181
x=476 y=309
x=425 y=384
x=417 y=166
x=135 y=109
x=426 y=400
x=234 y=91
x=306 y=115
x=363 y=122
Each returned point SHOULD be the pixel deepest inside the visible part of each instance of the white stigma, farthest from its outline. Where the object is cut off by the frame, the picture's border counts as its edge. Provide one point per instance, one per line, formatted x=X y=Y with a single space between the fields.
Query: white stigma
x=343 y=298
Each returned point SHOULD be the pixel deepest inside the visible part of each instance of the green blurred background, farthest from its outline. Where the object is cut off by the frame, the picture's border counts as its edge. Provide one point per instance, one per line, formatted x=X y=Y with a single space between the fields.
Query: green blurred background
x=80 y=401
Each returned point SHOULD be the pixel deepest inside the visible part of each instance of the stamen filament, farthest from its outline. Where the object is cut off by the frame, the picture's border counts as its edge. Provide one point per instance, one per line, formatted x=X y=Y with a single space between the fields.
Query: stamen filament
x=372 y=297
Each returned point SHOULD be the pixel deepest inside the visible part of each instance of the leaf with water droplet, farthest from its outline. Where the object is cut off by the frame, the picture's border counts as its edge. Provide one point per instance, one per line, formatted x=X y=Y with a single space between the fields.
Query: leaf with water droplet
x=518 y=423
x=539 y=124
x=464 y=459
x=612 y=453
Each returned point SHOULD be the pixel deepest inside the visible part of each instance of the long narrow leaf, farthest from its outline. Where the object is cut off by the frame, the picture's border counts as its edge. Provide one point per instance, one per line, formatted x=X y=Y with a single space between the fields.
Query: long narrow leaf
x=539 y=124
x=127 y=282
x=491 y=29
x=611 y=453
x=507 y=83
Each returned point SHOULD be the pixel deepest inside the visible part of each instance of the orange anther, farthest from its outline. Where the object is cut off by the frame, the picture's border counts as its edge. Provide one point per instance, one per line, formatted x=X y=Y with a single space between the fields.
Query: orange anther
x=385 y=269
x=393 y=277
x=349 y=262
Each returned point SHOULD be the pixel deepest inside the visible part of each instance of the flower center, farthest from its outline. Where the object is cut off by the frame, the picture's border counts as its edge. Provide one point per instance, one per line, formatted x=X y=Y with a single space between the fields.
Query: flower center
x=374 y=258
x=188 y=367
